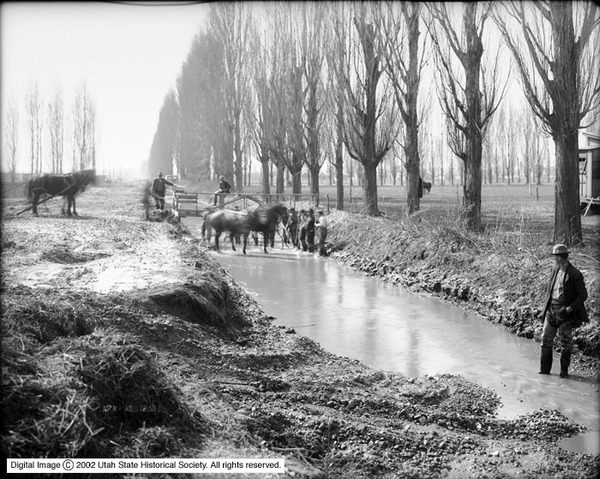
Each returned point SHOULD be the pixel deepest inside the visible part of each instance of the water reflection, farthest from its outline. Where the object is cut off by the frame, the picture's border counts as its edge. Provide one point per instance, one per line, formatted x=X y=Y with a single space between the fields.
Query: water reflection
x=389 y=328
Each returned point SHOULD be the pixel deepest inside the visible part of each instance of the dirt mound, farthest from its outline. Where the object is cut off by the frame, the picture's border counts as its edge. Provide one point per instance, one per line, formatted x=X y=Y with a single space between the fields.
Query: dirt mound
x=207 y=301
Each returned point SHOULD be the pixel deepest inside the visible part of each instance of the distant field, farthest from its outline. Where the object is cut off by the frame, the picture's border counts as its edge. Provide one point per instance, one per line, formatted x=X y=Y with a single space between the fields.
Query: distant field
x=498 y=201
x=507 y=210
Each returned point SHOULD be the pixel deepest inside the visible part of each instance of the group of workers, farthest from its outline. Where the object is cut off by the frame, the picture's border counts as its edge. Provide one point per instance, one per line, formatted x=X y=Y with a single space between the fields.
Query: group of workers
x=302 y=228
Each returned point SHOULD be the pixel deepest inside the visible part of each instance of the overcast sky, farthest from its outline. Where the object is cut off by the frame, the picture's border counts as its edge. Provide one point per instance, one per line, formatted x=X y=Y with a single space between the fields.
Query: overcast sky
x=129 y=56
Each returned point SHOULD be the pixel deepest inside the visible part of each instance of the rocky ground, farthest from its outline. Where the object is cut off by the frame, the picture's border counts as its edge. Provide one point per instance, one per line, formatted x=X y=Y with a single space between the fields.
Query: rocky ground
x=124 y=338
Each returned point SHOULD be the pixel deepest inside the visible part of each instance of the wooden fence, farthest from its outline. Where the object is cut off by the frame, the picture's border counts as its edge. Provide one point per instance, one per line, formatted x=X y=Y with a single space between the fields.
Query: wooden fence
x=198 y=203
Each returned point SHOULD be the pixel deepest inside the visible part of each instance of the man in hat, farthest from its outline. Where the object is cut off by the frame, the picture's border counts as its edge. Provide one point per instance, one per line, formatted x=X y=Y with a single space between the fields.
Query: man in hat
x=563 y=310
x=224 y=188
x=159 y=188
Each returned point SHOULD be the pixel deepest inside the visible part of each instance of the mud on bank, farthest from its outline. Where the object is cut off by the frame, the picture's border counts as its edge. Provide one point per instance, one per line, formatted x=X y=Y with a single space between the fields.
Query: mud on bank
x=171 y=358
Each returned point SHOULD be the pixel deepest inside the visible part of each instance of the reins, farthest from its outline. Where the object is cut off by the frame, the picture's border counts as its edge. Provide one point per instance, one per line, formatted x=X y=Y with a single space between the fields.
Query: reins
x=44 y=200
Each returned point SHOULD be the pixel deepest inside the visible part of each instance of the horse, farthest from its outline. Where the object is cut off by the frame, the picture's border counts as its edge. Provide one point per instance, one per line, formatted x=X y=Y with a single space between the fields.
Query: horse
x=66 y=186
x=265 y=220
x=235 y=222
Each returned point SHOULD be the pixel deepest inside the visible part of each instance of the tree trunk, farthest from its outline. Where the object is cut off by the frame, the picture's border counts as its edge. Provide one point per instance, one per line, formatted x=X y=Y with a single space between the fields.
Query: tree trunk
x=472 y=187
x=266 y=177
x=413 y=161
x=314 y=175
x=280 y=180
x=472 y=173
x=567 y=214
x=297 y=184
x=370 y=189
x=339 y=158
x=238 y=167
x=339 y=182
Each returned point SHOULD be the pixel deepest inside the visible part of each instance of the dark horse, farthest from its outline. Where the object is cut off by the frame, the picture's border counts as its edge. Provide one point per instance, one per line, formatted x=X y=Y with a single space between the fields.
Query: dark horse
x=261 y=219
x=266 y=220
x=235 y=222
x=60 y=185
x=424 y=185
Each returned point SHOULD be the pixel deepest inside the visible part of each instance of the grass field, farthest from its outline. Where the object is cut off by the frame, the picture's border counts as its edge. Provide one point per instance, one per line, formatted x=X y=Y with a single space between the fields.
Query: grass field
x=512 y=214
x=497 y=200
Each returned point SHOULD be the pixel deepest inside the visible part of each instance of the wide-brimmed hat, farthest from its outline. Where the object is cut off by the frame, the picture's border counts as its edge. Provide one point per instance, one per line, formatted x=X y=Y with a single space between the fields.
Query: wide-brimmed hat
x=560 y=249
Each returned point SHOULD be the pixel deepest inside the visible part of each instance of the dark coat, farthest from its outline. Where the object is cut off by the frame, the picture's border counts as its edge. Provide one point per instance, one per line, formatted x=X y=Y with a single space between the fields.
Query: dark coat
x=224 y=186
x=159 y=187
x=574 y=293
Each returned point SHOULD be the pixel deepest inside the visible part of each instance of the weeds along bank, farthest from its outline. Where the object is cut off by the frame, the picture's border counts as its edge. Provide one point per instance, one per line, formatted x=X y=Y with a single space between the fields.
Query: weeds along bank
x=501 y=275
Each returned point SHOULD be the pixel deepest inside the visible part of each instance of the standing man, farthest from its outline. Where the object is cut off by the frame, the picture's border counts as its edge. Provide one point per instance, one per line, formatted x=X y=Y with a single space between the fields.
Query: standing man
x=310 y=230
x=563 y=310
x=292 y=226
x=159 y=188
x=321 y=232
x=303 y=222
x=224 y=188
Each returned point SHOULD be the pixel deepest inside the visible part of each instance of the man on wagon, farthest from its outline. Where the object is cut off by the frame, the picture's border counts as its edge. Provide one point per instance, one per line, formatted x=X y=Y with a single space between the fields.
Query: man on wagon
x=224 y=188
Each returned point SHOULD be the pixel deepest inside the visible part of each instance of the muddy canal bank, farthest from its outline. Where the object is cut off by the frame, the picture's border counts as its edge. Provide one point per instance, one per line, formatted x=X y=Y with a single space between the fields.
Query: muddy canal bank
x=109 y=310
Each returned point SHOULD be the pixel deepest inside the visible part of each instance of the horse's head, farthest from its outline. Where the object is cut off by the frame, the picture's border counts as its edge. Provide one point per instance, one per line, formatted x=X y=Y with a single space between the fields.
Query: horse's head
x=84 y=178
x=283 y=213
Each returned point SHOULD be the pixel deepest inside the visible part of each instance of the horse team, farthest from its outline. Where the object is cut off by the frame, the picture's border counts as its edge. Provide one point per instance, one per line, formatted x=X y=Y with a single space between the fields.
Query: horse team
x=240 y=224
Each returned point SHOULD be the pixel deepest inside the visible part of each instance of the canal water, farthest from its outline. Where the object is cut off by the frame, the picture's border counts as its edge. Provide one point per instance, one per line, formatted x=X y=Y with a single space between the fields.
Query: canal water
x=390 y=328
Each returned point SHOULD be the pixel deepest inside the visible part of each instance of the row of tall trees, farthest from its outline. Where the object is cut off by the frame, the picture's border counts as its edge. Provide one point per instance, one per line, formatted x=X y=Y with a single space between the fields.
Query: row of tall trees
x=299 y=85
x=48 y=125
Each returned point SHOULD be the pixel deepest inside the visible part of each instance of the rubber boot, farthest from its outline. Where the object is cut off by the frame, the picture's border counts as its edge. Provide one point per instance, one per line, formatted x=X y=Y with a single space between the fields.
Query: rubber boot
x=565 y=361
x=546 y=361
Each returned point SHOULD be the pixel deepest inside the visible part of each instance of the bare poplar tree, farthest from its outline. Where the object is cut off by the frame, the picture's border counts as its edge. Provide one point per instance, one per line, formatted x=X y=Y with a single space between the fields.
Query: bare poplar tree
x=337 y=54
x=558 y=67
x=468 y=93
x=370 y=119
x=312 y=37
x=400 y=27
x=11 y=135
x=84 y=130
x=529 y=133
x=260 y=90
x=56 y=114
x=34 y=121
x=279 y=112
x=230 y=23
